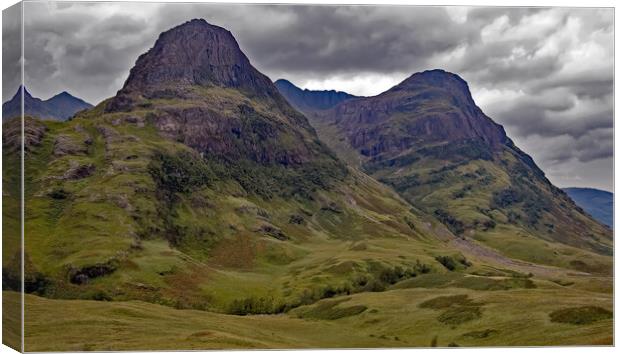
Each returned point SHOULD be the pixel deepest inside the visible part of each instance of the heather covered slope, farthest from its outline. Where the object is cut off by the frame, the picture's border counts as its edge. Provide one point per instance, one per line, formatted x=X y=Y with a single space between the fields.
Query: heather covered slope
x=428 y=140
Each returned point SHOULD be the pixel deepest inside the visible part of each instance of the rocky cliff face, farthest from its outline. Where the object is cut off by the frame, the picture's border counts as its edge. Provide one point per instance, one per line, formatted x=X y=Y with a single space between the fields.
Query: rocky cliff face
x=432 y=107
x=194 y=53
x=308 y=101
x=427 y=138
x=203 y=91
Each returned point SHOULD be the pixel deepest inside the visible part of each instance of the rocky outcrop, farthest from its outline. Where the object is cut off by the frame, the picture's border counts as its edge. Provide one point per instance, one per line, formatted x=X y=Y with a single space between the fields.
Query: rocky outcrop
x=67 y=145
x=272 y=231
x=200 y=89
x=34 y=132
x=194 y=53
x=243 y=134
x=78 y=170
x=432 y=107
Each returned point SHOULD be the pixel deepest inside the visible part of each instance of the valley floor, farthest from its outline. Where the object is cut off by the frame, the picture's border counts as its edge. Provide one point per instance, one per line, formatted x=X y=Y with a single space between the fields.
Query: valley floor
x=393 y=318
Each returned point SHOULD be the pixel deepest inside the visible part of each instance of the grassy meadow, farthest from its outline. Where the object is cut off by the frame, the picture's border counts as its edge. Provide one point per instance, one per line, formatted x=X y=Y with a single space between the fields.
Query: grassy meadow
x=394 y=318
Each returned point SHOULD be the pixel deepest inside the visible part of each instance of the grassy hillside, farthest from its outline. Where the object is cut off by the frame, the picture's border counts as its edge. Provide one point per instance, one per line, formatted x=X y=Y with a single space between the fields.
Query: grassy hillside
x=116 y=212
x=428 y=140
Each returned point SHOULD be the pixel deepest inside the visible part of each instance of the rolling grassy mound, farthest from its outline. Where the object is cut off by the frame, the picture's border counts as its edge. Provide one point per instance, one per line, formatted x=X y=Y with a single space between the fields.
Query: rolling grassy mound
x=390 y=319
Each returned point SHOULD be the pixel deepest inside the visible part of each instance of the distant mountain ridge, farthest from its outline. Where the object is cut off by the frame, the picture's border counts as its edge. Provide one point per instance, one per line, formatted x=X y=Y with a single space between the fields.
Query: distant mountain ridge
x=59 y=107
x=427 y=138
x=596 y=202
x=430 y=107
x=308 y=101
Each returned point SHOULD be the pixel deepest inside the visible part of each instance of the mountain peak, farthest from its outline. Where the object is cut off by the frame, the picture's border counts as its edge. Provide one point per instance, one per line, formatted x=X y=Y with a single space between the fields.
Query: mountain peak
x=194 y=53
x=436 y=73
x=187 y=67
x=284 y=82
x=437 y=78
x=59 y=107
x=66 y=96
x=430 y=108
x=19 y=92
x=439 y=85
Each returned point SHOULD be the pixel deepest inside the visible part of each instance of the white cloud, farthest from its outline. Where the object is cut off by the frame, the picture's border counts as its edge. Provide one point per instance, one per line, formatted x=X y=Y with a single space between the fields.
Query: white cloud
x=369 y=84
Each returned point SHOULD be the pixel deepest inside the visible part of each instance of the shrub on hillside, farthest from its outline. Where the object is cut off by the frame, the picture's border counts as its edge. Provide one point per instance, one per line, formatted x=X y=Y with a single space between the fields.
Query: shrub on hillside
x=455 y=225
x=179 y=173
x=447 y=261
x=442 y=302
x=255 y=305
x=452 y=263
x=458 y=315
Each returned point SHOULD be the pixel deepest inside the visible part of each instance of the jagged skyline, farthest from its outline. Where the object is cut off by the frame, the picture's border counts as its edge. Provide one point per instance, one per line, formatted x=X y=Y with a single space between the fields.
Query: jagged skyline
x=526 y=67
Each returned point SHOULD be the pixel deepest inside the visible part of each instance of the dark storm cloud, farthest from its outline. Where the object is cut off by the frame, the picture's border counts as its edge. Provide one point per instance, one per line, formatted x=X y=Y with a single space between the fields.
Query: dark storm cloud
x=580 y=148
x=73 y=47
x=556 y=113
x=323 y=40
x=544 y=73
x=11 y=50
x=382 y=41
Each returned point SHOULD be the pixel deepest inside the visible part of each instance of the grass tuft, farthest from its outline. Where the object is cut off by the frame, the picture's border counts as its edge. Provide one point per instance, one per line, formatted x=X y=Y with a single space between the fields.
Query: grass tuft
x=580 y=315
x=329 y=310
x=443 y=302
x=480 y=334
x=458 y=315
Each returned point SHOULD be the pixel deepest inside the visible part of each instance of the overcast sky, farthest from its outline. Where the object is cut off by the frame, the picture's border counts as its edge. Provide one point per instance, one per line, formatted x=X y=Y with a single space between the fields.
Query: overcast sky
x=545 y=74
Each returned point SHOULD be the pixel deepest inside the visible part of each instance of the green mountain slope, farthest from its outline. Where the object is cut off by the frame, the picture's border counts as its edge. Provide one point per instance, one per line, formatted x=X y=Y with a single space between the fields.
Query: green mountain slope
x=398 y=318
x=428 y=140
x=217 y=196
x=196 y=209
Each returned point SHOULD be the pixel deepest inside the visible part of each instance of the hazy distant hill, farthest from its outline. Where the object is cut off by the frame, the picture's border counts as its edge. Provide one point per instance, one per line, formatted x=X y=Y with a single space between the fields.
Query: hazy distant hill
x=60 y=107
x=598 y=203
x=309 y=101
